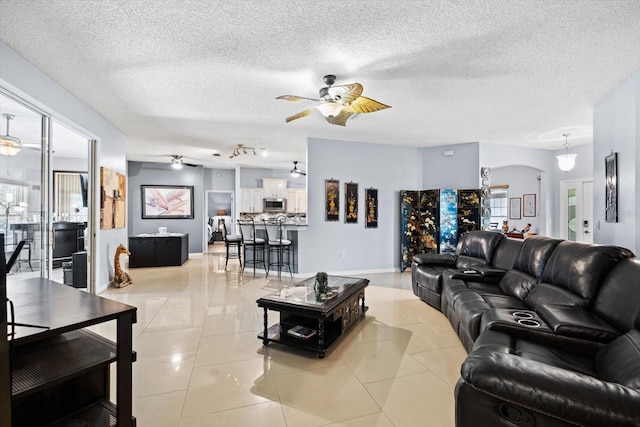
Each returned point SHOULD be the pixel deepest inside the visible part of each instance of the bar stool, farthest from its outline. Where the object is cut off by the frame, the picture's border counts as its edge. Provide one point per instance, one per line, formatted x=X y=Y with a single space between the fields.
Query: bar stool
x=278 y=246
x=231 y=241
x=256 y=245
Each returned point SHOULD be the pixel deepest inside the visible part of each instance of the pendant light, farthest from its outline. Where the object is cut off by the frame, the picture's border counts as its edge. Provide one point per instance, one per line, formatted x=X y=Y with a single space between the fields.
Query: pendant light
x=566 y=161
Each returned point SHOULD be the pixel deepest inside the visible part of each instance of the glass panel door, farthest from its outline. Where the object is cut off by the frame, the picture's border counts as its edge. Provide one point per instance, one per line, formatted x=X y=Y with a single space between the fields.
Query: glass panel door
x=21 y=201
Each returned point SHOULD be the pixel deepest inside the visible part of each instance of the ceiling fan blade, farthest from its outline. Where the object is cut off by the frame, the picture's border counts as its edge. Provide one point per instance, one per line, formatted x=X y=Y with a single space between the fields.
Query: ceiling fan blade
x=295 y=98
x=366 y=105
x=340 y=118
x=191 y=164
x=345 y=94
x=300 y=115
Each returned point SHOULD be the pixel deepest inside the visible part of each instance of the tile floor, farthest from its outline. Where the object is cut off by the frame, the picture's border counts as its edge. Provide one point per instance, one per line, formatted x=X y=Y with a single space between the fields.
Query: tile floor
x=200 y=362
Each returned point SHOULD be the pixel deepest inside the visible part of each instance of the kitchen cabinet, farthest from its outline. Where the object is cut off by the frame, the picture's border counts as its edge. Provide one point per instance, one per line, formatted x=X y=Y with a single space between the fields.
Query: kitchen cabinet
x=274 y=188
x=60 y=372
x=251 y=200
x=296 y=200
x=158 y=250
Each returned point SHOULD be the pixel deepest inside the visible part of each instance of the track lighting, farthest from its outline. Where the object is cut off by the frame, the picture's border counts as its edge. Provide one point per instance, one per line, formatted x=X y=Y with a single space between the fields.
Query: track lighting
x=243 y=149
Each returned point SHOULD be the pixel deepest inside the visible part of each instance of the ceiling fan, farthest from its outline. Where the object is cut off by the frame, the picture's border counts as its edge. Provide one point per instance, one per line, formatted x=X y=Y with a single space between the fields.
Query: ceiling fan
x=295 y=172
x=337 y=103
x=178 y=161
x=10 y=145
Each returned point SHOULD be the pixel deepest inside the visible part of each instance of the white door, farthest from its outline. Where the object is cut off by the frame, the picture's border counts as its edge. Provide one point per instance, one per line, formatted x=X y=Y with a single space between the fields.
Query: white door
x=576 y=210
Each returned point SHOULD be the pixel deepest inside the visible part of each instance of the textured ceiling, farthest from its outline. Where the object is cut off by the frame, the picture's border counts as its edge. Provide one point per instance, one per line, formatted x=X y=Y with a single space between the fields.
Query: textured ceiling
x=190 y=77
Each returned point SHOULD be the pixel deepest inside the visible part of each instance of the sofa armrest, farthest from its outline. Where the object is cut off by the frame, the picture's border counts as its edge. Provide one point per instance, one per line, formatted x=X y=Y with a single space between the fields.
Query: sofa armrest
x=561 y=393
x=435 y=259
x=577 y=322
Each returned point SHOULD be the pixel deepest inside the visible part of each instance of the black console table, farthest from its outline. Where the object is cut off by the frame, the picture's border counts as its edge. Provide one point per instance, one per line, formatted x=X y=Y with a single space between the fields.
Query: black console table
x=158 y=250
x=60 y=371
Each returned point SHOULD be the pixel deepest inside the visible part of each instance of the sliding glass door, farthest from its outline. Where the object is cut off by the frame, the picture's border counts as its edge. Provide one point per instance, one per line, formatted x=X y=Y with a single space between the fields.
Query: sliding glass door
x=23 y=201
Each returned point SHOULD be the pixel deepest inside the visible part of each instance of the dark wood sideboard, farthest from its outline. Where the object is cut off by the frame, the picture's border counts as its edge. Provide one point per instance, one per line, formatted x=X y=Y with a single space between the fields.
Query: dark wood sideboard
x=59 y=370
x=158 y=250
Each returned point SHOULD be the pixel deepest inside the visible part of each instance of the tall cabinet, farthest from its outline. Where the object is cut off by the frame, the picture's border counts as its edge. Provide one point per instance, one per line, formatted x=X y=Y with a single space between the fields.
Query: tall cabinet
x=432 y=220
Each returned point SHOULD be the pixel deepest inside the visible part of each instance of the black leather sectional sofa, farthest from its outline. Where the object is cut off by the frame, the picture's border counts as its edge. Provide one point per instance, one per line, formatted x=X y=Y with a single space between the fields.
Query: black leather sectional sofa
x=552 y=328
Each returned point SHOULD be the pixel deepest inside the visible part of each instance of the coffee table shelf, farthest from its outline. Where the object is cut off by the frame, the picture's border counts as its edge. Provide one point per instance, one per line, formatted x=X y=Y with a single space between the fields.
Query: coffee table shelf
x=298 y=305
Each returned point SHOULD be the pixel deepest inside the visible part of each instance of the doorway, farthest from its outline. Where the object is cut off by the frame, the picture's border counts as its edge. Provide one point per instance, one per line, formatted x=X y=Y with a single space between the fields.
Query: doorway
x=576 y=210
x=219 y=210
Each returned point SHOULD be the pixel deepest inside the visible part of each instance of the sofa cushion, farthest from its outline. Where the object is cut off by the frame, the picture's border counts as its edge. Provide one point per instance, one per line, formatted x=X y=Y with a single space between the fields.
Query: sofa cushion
x=479 y=244
x=534 y=254
x=506 y=253
x=619 y=361
x=618 y=301
x=517 y=284
x=581 y=267
x=464 y=261
x=548 y=293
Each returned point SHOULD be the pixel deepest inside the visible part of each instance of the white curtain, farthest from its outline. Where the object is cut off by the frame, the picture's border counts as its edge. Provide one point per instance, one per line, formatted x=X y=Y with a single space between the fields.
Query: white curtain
x=67 y=188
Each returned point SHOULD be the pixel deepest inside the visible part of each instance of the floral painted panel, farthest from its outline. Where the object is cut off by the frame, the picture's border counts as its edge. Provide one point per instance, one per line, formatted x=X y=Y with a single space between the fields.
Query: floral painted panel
x=410 y=226
x=448 y=221
x=468 y=211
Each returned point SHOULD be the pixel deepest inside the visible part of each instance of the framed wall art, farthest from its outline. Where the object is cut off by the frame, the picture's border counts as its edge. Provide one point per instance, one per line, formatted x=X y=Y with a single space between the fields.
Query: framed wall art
x=332 y=200
x=167 y=201
x=529 y=205
x=113 y=199
x=611 y=194
x=515 y=211
x=351 y=203
x=371 y=200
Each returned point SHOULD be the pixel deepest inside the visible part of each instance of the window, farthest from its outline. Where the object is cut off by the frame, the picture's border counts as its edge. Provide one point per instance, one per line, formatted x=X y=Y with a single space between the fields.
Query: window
x=498 y=202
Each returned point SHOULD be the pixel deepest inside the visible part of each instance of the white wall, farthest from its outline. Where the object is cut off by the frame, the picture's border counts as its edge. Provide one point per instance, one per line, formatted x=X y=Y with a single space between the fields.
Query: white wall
x=460 y=171
x=25 y=80
x=387 y=168
x=616 y=127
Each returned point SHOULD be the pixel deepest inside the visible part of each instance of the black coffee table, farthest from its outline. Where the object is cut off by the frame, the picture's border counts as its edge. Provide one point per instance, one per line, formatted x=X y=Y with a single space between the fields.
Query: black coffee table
x=321 y=319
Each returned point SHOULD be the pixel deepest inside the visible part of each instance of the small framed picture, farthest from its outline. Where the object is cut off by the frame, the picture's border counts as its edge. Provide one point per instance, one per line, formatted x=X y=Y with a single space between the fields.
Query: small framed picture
x=515 y=211
x=529 y=205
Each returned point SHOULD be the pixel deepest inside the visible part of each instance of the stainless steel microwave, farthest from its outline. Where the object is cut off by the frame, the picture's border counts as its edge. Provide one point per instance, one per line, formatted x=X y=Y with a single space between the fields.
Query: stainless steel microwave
x=275 y=205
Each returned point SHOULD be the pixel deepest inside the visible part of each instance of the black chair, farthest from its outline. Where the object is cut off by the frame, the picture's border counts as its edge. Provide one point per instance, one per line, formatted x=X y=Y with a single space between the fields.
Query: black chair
x=254 y=244
x=279 y=247
x=232 y=241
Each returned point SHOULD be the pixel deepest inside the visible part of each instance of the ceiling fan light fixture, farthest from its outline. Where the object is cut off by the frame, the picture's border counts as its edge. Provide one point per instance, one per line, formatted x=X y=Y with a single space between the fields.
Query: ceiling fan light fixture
x=176 y=162
x=566 y=161
x=330 y=109
x=295 y=172
x=9 y=145
x=7 y=148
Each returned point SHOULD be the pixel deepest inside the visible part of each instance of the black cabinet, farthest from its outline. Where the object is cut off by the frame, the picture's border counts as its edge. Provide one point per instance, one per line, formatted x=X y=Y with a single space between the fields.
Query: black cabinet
x=158 y=250
x=68 y=237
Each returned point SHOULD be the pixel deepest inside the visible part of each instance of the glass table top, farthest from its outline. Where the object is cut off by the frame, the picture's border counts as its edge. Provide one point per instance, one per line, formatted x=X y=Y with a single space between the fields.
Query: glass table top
x=303 y=293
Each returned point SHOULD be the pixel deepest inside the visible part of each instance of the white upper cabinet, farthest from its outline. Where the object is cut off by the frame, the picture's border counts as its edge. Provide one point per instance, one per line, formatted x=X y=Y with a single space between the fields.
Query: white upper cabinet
x=274 y=188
